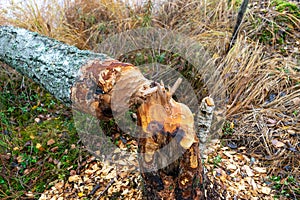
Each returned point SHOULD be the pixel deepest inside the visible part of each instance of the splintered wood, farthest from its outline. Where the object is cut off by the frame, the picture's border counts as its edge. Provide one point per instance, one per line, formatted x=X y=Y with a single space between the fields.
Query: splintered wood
x=107 y=86
x=168 y=128
x=161 y=113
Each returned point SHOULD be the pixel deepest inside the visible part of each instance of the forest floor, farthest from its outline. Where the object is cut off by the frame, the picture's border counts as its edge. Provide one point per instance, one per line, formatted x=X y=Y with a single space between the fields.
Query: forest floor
x=255 y=155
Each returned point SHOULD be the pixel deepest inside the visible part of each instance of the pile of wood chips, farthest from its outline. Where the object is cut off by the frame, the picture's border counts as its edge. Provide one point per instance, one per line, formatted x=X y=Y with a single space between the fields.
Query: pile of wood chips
x=236 y=172
x=240 y=175
x=100 y=180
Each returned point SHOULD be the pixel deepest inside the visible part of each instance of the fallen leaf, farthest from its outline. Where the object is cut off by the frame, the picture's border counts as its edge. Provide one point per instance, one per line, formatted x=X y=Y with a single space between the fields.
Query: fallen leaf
x=37 y=120
x=80 y=194
x=232 y=125
x=28 y=143
x=39 y=147
x=123 y=174
x=125 y=191
x=26 y=171
x=50 y=142
x=223 y=178
x=55 y=162
x=246 y=158
x=20 y=159
x=238 y=157
x=285 y=127
x=234 y=174
x=227 y=154
x=241 y=187
x=224 y=148
x=72 y=172
x=54 y=149
x=89 y=171
x=122 y=162
x=277 y=143
x=251 y=182
x=111 y=175
x=16 y=148
x=90 y=159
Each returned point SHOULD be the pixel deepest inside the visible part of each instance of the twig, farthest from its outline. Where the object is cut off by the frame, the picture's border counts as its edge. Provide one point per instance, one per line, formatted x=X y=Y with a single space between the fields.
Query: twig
x=97 y=186
x=175 y=86
x=108 y=186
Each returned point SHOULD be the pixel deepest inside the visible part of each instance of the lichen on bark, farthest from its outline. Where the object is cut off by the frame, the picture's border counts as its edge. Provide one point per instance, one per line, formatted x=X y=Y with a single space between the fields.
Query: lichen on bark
x=52 y=64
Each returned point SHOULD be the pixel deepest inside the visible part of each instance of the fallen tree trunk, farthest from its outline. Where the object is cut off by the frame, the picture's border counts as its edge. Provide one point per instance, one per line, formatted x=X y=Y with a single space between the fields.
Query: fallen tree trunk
x=50 y=63
x=90 y=80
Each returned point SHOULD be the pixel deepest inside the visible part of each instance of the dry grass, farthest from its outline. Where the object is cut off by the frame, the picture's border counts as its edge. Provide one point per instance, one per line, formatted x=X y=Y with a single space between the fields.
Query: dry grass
x=32 y=16
x=263 y=96
x=76 y=23
x=260 y=73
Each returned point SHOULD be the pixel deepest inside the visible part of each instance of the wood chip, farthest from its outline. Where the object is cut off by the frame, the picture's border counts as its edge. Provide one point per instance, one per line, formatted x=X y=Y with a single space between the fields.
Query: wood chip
x=271 y=121
x=260 y=169
x=296 y=101
x=74 y=178
x=59 y=185
x=266 y=190
x=248 y=170
x=29 y=194
x=231 y=167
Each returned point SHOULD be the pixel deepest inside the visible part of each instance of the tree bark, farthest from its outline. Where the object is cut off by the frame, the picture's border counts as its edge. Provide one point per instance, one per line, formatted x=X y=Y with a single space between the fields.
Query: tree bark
x=90 y=81
x=50 y=63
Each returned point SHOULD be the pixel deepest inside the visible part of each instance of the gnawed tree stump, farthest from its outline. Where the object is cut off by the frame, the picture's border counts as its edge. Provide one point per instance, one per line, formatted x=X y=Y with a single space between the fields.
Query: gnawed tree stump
x=169 y=134
x=170 y=163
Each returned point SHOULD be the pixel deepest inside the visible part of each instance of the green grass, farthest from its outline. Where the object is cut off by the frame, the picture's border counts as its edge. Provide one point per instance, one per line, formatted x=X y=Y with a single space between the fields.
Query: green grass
x=217 y=160
x=29 y=118
x=282 y=5
x=279 y=26
x=30 y=164
x=228 y=128
x=285 y=187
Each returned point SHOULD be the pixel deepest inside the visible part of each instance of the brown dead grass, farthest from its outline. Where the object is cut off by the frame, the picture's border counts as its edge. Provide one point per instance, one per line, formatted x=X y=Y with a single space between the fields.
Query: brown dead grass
x=262 y=83
x=264 y=94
